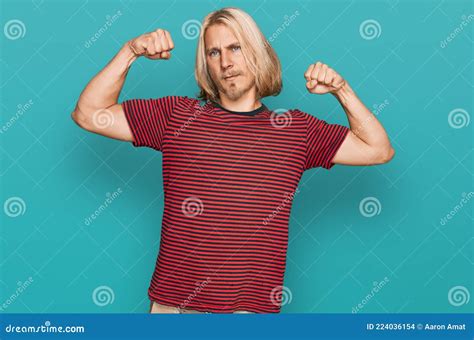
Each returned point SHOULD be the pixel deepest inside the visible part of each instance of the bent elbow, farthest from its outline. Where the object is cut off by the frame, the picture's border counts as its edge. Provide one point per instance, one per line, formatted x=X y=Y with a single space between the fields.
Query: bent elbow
x=387 y=155
x=75 y=117
x=381 y=156
x=79 y=119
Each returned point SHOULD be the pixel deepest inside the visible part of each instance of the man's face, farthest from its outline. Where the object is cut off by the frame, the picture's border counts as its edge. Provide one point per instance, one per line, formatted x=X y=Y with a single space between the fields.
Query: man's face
x=226 y=63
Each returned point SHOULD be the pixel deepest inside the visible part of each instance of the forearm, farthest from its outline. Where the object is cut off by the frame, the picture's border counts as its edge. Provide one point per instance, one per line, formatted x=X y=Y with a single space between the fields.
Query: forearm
x=104 y=89
x=363 y=123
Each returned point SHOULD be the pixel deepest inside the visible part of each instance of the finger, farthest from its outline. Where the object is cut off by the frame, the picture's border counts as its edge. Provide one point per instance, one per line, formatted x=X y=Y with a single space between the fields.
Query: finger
x=155 y=56
x=156 y=42
x=330 y=76
x=316 y=70
x=307 y=74
x=311 y=84
x=163 y=41
x=170 y=41
x=155 y=39
x=338 y=79
x=150 y=46
x=322 y=73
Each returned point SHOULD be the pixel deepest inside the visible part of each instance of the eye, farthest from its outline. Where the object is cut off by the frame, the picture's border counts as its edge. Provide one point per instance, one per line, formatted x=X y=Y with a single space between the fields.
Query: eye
x=213 y=53
x=236 y=48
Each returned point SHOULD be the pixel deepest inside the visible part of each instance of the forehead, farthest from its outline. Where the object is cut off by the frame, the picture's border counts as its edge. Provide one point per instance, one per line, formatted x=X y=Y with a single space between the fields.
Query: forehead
x=219 y=35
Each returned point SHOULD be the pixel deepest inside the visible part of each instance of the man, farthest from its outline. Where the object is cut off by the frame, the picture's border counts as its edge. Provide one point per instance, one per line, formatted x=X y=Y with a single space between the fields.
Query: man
x=230 y=164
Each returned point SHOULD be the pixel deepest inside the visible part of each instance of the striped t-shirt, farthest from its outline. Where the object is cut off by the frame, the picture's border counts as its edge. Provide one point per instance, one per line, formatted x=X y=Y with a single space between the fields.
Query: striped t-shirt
x=229 y=179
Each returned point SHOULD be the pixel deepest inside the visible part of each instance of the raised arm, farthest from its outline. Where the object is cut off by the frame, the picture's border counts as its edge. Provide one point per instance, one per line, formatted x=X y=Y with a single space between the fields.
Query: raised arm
x=367 y=142
x=97 y=109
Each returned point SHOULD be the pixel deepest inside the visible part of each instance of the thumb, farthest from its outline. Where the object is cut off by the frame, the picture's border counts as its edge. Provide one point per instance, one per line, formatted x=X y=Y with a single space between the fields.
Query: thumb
x=311 y=83
x=165 y=55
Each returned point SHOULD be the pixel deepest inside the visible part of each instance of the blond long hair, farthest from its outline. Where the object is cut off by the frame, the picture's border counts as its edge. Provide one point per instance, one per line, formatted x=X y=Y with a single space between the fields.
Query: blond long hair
x=258 y=54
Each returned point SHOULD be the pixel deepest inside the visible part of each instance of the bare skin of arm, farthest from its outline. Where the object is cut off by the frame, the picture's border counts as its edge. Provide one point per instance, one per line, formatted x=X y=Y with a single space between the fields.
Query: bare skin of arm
x=367 y=142
x=97 y=109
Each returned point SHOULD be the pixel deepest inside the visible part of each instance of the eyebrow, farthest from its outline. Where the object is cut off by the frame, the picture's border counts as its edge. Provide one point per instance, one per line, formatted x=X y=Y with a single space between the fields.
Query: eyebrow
x=232 y=45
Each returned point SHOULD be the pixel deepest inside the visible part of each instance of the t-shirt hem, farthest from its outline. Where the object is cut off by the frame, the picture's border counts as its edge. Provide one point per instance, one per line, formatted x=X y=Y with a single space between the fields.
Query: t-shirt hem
x=337 y=144
x=137 y=142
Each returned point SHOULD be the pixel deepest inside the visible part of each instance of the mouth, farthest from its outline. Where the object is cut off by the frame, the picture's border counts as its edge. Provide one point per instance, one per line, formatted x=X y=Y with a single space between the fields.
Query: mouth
x=231 y=77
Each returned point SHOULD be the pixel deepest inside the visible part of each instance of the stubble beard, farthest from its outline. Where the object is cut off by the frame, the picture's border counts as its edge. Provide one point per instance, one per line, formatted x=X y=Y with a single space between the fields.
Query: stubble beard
x=234 y=91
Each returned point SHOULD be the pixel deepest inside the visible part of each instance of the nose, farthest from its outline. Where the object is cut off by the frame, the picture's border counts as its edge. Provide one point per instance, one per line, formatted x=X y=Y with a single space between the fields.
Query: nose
x=226 y=60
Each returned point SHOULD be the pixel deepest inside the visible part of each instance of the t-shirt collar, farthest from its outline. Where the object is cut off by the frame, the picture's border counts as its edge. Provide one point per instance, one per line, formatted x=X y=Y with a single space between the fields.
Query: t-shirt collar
x=244 y=113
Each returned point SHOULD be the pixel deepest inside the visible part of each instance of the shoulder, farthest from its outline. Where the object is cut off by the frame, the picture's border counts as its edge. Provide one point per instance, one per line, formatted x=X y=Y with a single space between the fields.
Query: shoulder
x=297 y=113
x=305 y=117
x=179 y=100
x=175 y=104
x=185 y=103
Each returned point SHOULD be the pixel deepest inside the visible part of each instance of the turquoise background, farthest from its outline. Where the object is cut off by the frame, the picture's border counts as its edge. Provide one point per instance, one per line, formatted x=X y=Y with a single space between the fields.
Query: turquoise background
x=336 y=254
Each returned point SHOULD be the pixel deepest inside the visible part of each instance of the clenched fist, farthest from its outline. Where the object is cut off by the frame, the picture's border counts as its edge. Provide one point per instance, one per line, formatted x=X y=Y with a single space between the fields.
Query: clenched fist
x=321 y=79
x=154 y=45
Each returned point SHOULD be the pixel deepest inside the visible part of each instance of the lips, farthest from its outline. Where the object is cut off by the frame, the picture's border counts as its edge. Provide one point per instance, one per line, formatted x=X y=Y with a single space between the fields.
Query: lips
x=231 y=77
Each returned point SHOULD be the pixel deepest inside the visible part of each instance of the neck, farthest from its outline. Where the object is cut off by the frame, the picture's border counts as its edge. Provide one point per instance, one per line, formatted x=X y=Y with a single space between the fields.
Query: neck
x=243 y=104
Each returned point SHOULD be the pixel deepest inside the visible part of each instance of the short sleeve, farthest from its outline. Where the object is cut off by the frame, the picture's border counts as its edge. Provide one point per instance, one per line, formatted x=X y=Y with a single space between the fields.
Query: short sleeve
x=322 y=142
x=148 y=119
